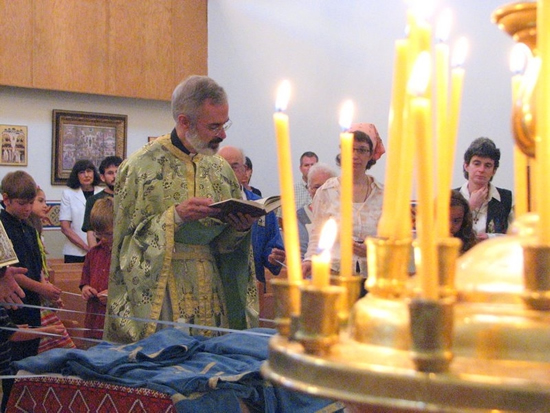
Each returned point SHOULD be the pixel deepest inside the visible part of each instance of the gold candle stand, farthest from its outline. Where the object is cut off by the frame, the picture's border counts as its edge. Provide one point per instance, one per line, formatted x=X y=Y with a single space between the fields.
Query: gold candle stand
x=319 y=322
x=287 y=305
x=536 y=273
x=388 y=262
x=431 y=333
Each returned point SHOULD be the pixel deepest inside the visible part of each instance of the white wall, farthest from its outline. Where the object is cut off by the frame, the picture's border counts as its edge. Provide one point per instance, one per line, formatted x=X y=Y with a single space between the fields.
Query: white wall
x=336 y=50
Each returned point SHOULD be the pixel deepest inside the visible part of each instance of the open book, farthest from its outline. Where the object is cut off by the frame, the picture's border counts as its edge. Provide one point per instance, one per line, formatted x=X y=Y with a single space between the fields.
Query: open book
x=255 y=208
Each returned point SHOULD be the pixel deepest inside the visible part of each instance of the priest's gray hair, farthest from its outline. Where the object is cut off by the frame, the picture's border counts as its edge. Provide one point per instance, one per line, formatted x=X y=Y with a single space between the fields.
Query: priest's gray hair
x=190 y=94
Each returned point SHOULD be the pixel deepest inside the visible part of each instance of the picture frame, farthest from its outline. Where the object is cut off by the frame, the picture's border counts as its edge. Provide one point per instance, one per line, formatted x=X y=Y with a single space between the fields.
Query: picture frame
x=85 y=135
x=13 y=142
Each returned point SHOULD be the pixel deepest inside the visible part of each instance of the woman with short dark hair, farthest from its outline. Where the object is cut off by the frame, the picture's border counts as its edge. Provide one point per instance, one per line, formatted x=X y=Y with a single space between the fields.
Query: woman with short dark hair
x=82 y=183
x=491 y=207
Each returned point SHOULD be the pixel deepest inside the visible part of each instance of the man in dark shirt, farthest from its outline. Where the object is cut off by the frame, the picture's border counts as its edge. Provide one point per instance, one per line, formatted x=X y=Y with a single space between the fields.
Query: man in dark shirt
x=107 y=172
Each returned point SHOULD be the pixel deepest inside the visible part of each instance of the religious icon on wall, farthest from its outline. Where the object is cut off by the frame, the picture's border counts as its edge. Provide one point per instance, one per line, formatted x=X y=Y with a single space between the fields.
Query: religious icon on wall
x=14 y=145
x=84 y=135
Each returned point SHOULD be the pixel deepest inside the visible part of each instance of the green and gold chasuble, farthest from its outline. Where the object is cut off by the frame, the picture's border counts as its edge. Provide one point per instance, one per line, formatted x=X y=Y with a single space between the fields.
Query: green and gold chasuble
x=199 y=271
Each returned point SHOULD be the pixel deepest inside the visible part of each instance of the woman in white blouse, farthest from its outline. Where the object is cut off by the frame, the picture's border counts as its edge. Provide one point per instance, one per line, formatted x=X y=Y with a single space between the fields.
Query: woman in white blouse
x=82 y=183
x=367 y=200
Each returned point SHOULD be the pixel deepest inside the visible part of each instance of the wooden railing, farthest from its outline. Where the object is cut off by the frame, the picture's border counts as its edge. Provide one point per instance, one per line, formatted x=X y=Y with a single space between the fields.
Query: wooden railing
x=67 y=277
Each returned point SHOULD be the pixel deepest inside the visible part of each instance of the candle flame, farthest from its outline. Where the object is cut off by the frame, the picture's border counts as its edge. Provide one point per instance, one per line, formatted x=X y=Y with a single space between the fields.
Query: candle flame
x=420 y=75
x=444 y=26
x=519 y=57
x=283 y=96
x=346 y=115
x=328 y=235
x=460 y=51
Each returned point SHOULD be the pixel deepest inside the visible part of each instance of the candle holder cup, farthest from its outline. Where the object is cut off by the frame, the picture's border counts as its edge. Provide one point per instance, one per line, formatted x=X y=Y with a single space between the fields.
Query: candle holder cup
x=388 y=262
x=319 y=322
x=536 y=272
x=448 y=250
x=352 y=290
x=287 y=305
x=431 y=323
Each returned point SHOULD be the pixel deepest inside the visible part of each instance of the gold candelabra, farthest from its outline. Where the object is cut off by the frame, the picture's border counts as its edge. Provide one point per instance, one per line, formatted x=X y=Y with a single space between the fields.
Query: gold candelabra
x=483 y=346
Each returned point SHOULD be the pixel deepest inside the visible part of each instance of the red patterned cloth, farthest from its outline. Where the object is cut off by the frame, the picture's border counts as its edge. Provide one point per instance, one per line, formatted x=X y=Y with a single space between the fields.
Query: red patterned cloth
x=71 y=394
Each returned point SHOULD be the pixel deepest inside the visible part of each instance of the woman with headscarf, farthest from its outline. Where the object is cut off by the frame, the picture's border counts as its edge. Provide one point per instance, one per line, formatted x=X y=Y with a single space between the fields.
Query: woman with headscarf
x=367 y=200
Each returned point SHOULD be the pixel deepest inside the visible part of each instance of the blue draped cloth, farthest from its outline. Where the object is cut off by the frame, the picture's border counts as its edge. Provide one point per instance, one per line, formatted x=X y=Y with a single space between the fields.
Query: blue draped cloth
x=200 y=374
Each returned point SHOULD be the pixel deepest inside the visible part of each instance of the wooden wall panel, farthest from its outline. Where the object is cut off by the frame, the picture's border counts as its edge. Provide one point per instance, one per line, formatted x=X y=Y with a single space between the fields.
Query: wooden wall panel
x=140 y=49
x=190 y=38
x=69 y=45
x=16 y=42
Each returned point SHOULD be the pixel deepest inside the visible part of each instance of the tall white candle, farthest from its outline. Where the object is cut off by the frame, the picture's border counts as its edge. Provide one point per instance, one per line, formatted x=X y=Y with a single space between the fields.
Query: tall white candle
x=421 y=118
x=290 y=225
x=346 y=191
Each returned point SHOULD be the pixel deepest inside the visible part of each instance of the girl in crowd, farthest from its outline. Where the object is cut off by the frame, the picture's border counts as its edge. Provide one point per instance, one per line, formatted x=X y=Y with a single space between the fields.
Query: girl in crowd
x=461 y=221
x=47 y=317
x=82 y=183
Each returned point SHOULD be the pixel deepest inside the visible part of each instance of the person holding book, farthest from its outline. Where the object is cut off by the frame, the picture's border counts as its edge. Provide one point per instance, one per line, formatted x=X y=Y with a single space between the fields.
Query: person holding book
x=367 y=200
x=267 y=243
x=172 y=258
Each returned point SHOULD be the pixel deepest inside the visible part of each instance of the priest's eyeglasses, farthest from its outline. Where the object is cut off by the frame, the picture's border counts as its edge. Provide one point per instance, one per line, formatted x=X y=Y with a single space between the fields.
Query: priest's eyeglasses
x=218 y=128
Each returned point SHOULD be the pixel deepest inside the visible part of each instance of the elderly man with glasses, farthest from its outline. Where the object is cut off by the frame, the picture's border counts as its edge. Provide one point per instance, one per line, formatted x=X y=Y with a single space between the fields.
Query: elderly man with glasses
x=267 y=243
x=173 y=260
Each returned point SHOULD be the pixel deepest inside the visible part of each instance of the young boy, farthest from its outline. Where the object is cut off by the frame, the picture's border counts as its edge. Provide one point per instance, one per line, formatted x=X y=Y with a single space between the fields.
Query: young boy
x=18 y=193
x=95 y=274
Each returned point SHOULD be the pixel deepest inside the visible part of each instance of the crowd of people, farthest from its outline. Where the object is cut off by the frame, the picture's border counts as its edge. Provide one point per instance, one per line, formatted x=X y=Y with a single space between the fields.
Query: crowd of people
x=155 y=253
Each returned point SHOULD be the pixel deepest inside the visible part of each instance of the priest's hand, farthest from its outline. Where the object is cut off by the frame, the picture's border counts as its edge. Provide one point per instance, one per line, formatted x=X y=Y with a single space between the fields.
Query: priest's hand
x=193 y=209
x=241 y=222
